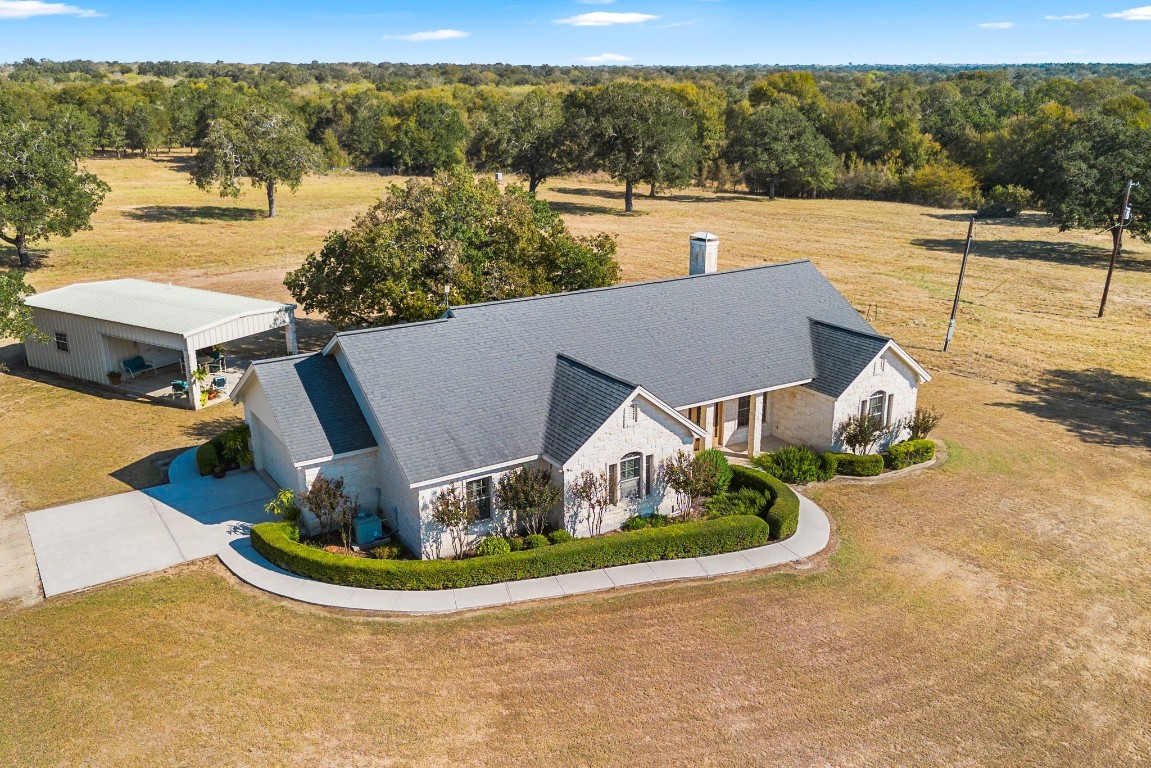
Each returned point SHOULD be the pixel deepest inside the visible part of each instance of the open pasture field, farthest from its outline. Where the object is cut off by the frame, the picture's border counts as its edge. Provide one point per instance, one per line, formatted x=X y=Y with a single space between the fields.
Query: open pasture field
x=995 y=611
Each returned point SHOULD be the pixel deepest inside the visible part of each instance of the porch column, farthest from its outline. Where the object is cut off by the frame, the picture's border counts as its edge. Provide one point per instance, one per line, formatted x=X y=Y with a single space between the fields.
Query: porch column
x=709 y=425
x=193 y=386
x=755 y=425
x=290 y=335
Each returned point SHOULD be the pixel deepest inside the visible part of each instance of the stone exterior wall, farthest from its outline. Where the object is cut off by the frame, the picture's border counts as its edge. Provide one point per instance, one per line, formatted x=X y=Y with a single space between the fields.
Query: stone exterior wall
x=360 y=472
x=654 y=433
x=887 y=374
x=803 y=417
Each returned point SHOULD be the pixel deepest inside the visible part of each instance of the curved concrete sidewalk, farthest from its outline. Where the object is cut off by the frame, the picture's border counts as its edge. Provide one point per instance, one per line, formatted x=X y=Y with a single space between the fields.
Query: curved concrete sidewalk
x=811 y=536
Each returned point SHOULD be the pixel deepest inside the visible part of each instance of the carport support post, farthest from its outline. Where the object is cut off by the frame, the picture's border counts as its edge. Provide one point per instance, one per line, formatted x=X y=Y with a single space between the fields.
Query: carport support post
x=190 y=366
x=709 y=425
x=290 y=334
x=755 y=425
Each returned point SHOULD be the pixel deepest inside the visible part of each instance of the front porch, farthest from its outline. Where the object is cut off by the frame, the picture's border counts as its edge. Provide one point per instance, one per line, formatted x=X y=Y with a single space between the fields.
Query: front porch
x=159 y=384
x=748 y=425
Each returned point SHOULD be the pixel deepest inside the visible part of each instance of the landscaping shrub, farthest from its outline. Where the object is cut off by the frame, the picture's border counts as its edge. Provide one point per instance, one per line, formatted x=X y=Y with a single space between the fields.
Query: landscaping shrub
x=856 y=465
x=517 y=543
x=388 y=552
x=695 y=539
x=207 y=458
x=745 y=501
x=636 y=523
x=782 y=515
x=713 y=465
x=909 y=452
x=560 y=537
x=657 y=520
x=792 y=464
x=829 y=460
x=535 y=541
x=493 y=545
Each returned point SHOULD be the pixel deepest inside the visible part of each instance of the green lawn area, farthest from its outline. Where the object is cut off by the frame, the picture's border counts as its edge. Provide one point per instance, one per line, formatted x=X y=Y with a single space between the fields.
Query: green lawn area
x=995 y=611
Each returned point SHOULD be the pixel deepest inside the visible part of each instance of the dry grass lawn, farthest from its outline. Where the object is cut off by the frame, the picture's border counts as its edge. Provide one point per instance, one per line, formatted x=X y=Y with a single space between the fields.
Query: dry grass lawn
x=996 y=611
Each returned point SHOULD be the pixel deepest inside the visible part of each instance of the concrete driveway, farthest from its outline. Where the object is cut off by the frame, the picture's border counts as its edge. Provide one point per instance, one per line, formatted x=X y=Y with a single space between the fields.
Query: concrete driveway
x=92 y=542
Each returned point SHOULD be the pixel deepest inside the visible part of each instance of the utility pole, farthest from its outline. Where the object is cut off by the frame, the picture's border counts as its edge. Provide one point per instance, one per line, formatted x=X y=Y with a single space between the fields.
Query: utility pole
x=959 y=285
x=1118 y=243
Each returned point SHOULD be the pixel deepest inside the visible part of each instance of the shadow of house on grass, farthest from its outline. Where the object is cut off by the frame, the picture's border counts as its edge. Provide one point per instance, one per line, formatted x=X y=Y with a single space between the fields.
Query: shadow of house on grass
x=1099 y=406
x=1067 y=254
x=193 y=214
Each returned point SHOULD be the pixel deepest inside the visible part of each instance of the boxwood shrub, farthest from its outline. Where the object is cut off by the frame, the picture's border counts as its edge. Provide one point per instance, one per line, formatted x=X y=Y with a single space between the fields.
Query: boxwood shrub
x=909 y=452
x=560 y=536
x=867 y=465
x=493 y=545
x=696 y=539
x=535 y=541
x=207 y=458
x=782 y=514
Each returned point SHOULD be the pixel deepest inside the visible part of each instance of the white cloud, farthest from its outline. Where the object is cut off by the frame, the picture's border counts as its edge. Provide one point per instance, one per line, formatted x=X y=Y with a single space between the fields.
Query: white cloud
x=605 y=58
x=26 y=9
x=606 y=19
x=435 y=34
x=997 y=25
x=1142 y=13
x=677 y=24
x=1068 y=17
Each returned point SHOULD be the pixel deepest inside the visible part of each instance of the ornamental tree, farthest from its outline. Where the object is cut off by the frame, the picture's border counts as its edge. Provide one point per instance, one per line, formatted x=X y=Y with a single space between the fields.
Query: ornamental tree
x=42 y=194
x=452 y=513
x=455 y=238
x=259 y=142
x=527 y=496
x=589 y=494
x=695 y=478
x=331 y=504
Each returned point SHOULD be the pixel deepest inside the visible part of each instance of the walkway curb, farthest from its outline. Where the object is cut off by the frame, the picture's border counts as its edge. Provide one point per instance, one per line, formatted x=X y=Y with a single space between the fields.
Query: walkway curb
x=184 y=467
x=811 y=537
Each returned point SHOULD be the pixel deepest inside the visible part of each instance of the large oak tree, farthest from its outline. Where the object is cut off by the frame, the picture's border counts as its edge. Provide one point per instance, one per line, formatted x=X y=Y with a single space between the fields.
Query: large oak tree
x=453 y=235
x=260 y=142
x=42 y=194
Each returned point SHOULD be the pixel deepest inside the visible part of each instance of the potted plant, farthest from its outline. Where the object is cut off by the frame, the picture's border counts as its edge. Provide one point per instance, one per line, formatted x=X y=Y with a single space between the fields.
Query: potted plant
x=114 y=378
x=219 y=471
x=236 y=448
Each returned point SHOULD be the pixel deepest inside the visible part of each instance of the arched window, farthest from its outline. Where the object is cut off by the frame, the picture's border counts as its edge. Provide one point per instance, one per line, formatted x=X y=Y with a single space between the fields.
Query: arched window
x=630 y=467
x=876 y=406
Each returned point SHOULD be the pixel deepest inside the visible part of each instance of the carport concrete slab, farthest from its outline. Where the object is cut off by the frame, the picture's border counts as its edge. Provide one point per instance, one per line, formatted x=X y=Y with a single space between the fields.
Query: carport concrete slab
x=81 y=545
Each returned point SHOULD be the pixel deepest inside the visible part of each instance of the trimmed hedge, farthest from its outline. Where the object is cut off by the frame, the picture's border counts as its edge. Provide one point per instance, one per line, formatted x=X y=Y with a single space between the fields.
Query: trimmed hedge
x=854 y=465
x=909 y=452
x=560 y=537
x=207 y=458
x=709 y=537
x=782 y=513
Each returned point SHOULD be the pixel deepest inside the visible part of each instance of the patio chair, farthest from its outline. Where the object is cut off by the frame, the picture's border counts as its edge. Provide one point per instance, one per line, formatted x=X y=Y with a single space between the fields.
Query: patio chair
x=134 y=366
x=179 y=388
x=219 y=382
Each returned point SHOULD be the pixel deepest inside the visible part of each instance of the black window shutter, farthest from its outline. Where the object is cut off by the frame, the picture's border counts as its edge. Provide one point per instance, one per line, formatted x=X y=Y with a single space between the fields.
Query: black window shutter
x=613 y=483
x=649 y=474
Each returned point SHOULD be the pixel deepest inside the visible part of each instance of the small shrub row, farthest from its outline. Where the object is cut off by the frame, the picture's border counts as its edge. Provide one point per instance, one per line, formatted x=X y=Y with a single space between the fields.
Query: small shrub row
x=745 y=501
x=909 y=453
x=782 y=514
x=638 y=523
x=796 y=464
x=226 y=450
x=696 y=539
x=856 y=465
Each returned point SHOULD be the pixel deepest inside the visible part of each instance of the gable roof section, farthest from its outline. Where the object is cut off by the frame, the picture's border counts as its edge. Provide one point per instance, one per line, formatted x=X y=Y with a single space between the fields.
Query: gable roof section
x=841 y=355
x=581 y=400
x=158 y=306
x=313 y=405
x=477 y=387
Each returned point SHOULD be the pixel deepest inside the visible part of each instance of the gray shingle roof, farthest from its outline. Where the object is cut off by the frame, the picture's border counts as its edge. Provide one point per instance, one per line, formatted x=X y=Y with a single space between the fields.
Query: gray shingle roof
x=840 y=356
x=475 y=389
x=581 y=400
x=314 y=407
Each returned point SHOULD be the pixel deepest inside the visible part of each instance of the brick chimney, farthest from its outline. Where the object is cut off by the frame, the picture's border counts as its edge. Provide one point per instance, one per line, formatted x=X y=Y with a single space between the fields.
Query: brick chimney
x=704 y=253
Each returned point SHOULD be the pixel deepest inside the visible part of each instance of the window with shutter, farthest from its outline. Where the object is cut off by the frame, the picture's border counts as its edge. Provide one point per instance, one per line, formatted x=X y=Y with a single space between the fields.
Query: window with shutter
x=613 y=483
x=890 y=408
x=649 y=475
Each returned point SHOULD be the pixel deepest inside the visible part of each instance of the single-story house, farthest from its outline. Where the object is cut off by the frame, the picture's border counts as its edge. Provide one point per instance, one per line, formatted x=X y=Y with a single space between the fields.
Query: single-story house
x=146 y=333
x=612 y=380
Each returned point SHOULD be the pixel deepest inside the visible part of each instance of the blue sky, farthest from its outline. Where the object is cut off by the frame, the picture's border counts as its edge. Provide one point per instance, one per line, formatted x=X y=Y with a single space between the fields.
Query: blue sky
x=580 y=31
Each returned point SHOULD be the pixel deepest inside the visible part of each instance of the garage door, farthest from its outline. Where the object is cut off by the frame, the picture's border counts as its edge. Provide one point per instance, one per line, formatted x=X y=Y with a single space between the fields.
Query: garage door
x=274 y=459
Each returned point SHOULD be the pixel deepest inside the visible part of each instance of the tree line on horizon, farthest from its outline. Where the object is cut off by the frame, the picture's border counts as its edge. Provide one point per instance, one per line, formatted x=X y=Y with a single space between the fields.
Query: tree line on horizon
x=933 y=135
